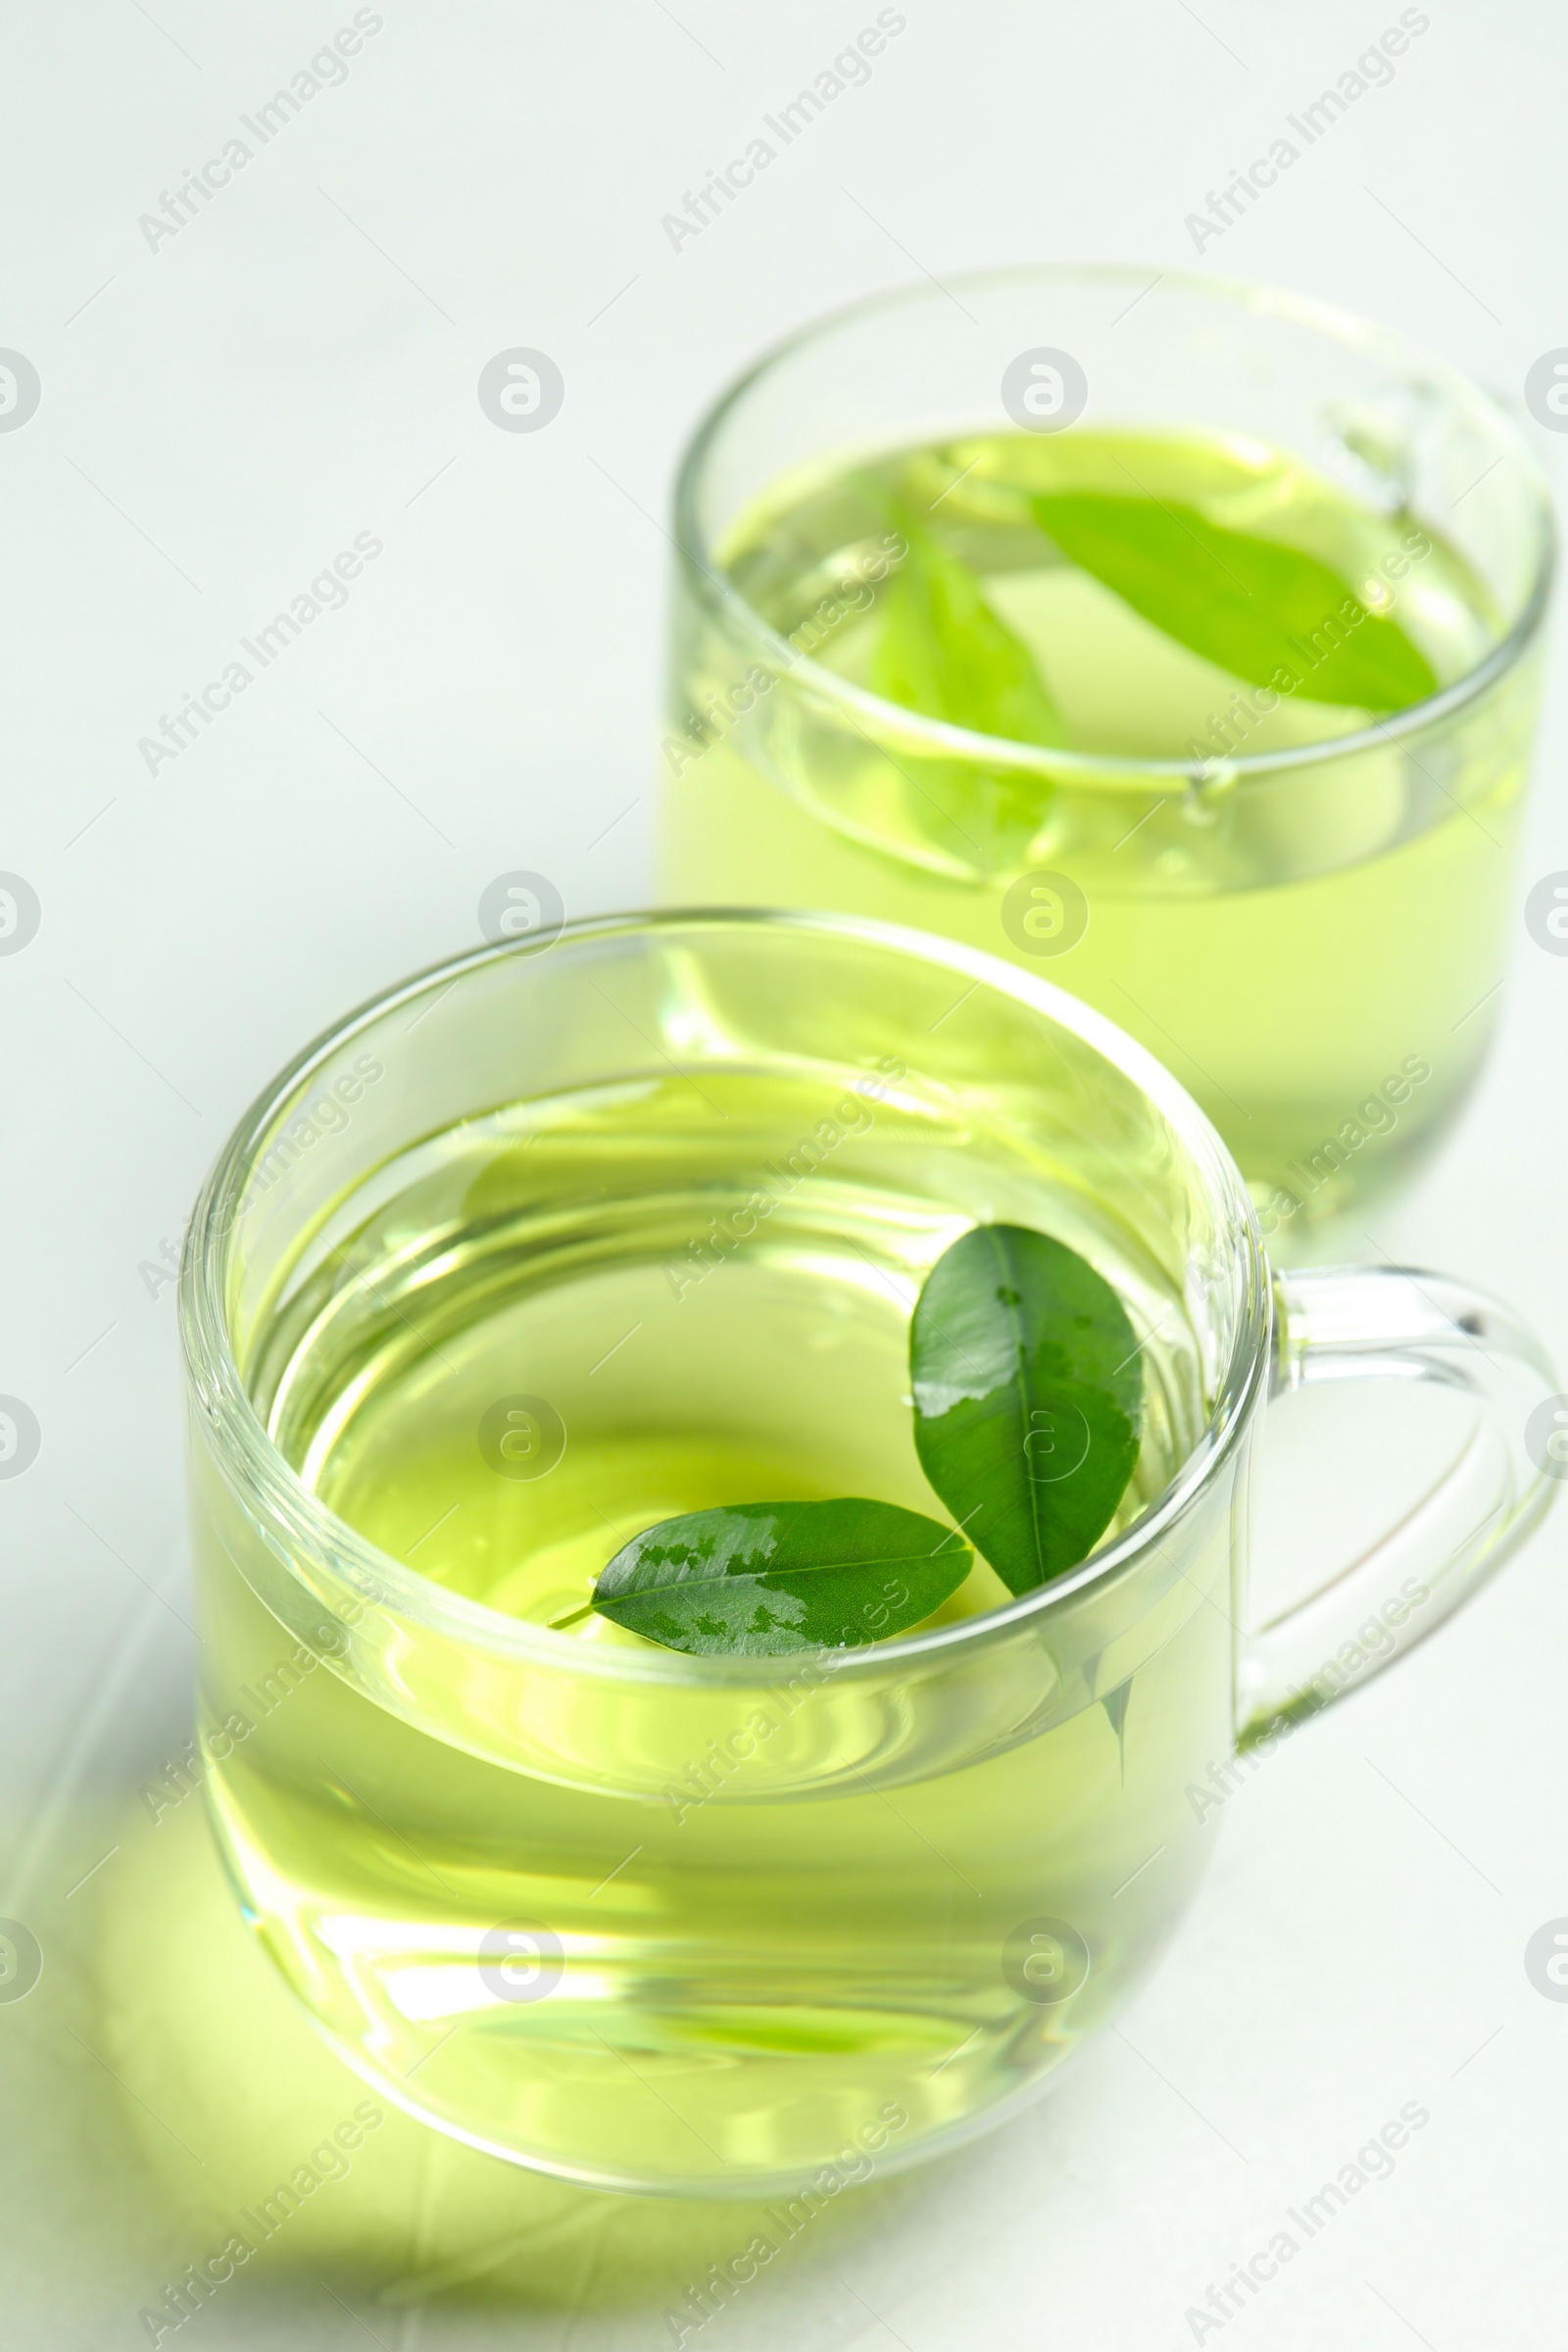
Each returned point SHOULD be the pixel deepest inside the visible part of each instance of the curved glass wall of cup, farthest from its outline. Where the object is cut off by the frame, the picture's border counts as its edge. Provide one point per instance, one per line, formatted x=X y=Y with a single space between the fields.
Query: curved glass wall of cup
x=1311 y=936
x=639 y=1919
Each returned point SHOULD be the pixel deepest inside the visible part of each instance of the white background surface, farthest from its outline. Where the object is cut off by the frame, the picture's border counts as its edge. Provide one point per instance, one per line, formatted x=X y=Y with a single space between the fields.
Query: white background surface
x=219 y=418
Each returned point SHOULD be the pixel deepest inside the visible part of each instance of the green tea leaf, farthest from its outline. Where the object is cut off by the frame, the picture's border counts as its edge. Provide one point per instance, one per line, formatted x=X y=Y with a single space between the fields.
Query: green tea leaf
x=942 y=652
x=1028 y=1395
x=1251 y=606
x=763 y=1578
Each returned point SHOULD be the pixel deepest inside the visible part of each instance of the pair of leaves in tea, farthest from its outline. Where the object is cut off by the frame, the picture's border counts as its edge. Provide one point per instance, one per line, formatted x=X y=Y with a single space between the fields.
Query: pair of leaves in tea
x=1253 y=606
x=1028 y=1403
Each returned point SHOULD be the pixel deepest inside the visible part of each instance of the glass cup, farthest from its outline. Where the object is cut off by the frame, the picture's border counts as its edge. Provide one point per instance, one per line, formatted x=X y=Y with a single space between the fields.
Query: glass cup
x=731 y=1924
x=1311 y=936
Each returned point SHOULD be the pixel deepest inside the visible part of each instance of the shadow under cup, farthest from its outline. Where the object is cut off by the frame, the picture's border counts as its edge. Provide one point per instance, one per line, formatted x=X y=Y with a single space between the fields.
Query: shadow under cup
x=1309 y=926
x=707 y=1925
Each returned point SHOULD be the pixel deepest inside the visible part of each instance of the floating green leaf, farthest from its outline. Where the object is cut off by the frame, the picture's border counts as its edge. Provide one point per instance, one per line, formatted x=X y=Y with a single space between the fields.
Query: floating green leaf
x=942 y=650
x=1251 y=606
x=763 y=1578
x=1028 y=1393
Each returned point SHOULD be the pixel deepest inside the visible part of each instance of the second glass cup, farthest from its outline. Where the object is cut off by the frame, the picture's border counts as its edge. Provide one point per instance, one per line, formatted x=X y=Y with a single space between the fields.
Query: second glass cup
x=1295 y=902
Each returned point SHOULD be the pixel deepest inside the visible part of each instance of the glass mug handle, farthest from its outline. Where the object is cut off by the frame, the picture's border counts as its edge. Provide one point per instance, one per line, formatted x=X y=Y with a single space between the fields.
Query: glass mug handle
x=1389 y=1323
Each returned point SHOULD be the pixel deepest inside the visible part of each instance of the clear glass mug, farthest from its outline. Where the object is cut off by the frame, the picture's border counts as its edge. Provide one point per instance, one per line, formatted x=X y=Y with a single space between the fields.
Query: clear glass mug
x=1313 y=935
x=708 y=1926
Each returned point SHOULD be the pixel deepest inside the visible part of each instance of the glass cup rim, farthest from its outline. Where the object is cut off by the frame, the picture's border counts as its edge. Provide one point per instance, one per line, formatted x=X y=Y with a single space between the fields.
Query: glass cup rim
x=1085 y=768
x=249 y=1457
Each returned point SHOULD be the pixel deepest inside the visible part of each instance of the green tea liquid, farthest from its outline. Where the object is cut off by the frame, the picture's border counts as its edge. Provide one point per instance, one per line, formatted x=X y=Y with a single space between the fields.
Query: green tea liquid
x=1313 y=951
x=554 y=1327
